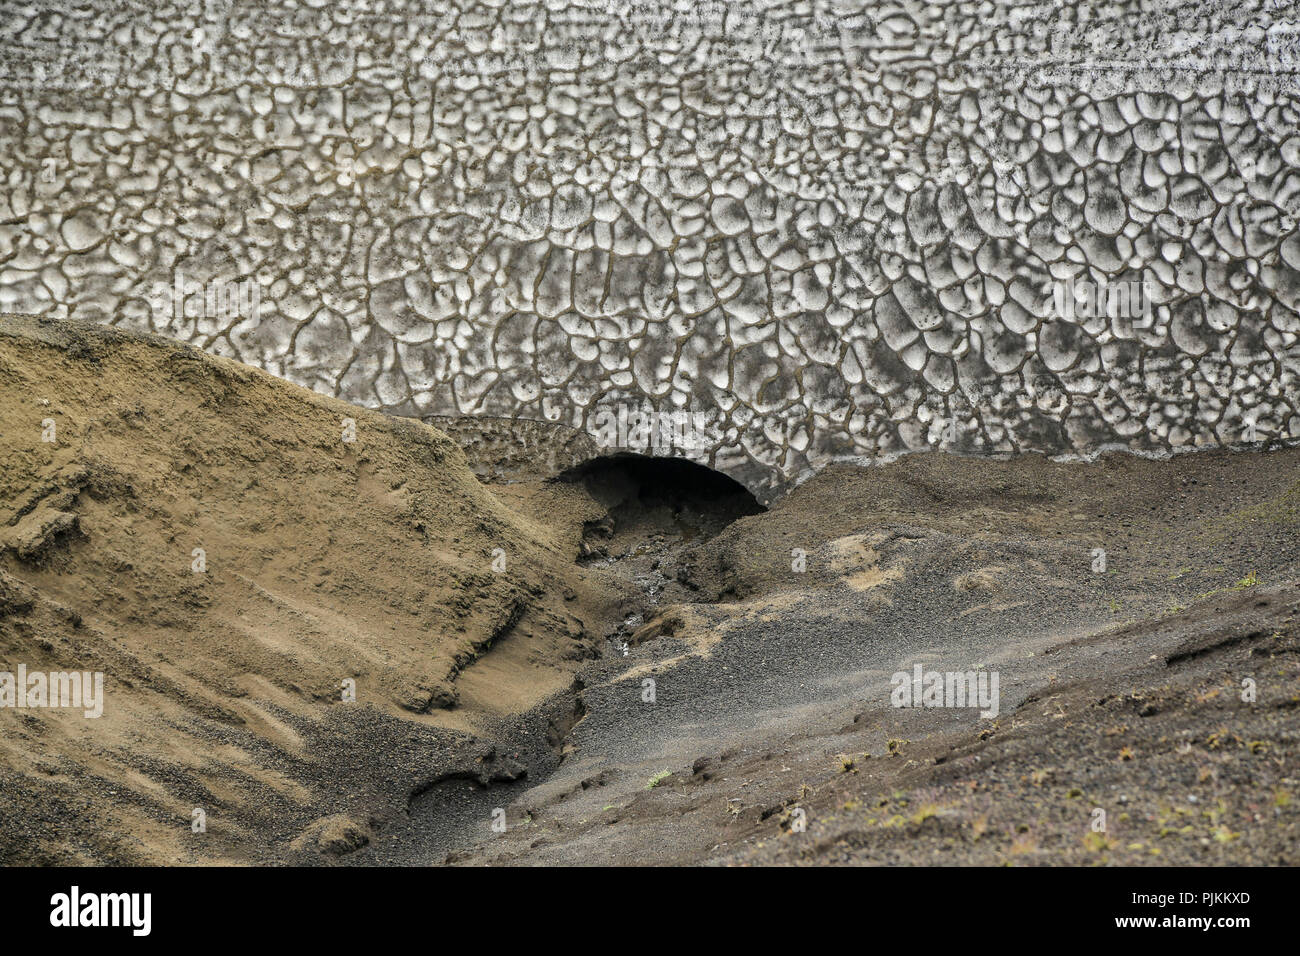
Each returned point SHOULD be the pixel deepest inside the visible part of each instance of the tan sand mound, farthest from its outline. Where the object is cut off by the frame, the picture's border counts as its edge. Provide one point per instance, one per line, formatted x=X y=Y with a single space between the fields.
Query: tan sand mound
x=236 y=554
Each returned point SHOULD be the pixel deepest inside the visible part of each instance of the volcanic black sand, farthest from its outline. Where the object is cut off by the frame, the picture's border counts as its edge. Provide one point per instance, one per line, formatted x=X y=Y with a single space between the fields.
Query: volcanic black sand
x=619 y=659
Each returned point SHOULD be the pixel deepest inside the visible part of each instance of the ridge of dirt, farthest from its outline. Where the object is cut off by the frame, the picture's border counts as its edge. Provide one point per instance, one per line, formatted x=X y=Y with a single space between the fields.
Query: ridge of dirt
x=321 y=560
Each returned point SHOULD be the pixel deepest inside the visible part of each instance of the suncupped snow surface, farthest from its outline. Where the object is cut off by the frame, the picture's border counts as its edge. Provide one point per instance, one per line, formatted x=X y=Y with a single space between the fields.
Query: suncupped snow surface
x=824 y=230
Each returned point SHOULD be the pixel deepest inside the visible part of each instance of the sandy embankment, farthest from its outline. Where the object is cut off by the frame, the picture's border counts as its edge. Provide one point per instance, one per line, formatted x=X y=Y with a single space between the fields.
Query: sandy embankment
x=322 y=561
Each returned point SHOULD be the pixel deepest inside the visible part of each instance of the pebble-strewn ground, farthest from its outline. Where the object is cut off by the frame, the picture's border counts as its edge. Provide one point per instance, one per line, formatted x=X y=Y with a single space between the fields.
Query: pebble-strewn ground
x=833 y=226
x=319 y=630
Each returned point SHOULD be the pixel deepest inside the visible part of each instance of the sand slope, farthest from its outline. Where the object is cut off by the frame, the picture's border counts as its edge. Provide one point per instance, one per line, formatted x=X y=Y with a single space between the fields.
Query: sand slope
x=322 y=560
